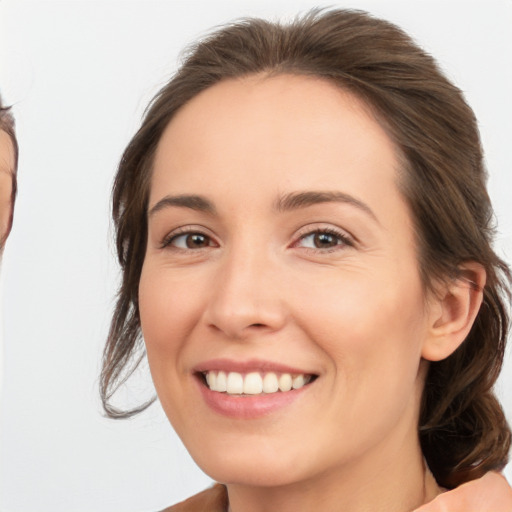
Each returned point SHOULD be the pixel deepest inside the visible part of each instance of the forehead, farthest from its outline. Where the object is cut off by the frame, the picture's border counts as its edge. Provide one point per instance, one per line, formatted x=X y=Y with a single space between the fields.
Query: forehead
x=285 y=131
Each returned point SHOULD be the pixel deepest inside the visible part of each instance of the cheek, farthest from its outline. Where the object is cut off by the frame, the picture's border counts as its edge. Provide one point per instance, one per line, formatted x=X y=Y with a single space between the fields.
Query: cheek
x=374 y=343
x=169 y=309
x=372 y=328
x=5 y=200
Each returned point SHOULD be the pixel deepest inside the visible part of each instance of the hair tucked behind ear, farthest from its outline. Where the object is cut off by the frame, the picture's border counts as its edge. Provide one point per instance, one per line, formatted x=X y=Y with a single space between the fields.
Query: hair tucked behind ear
x=462 y=427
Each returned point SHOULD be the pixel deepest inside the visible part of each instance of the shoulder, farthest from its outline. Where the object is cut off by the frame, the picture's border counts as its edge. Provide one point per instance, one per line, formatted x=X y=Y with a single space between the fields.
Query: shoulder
x=214 y=499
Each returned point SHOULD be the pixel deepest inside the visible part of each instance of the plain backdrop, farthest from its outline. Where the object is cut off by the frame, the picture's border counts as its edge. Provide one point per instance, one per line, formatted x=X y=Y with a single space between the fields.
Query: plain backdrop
x=79 y=74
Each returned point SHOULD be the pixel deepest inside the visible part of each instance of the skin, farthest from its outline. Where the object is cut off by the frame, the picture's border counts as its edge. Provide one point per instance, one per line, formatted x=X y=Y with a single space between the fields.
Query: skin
x=491 y=493
x=6 y=172
x=353 y=313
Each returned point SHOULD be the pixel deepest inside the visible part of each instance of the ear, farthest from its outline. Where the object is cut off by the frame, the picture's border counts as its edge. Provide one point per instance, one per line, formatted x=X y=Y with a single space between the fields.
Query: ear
x=452 y=312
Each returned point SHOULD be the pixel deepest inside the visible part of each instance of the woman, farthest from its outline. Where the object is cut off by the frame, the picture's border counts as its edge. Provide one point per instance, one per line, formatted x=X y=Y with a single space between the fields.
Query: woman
x=8 y=166
x=304 y=232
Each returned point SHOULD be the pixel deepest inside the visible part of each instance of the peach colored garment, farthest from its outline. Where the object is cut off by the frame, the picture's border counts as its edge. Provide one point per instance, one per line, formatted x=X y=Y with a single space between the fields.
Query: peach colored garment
x=214 y=499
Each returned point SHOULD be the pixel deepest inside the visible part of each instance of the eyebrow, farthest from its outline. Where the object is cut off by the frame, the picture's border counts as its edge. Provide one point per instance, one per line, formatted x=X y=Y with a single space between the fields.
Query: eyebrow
x=287 y=202
x=296 y=200
x=192 y=201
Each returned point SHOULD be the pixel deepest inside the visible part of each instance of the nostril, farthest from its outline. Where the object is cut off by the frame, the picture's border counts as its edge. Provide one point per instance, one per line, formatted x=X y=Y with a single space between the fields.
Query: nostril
x=257 y=325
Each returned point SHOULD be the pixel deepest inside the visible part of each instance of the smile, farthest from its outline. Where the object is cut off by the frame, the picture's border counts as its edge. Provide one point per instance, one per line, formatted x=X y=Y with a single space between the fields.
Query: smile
x=251 y=389
x=254 y=383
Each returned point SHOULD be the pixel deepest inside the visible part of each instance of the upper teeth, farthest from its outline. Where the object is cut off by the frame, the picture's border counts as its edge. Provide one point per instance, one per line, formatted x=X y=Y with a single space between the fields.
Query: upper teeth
x=254 y=383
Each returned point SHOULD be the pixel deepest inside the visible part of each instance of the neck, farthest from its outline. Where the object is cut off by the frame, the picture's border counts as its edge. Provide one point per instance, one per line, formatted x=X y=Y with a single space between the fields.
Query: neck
x=395 y=480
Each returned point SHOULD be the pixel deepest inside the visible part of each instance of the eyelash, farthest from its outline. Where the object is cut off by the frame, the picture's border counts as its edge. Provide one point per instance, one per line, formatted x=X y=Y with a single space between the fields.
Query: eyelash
x=343 y=239
x=183 y=232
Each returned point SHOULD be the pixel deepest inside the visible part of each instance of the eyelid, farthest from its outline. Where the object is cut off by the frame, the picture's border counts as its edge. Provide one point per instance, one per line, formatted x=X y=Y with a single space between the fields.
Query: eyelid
x=311 y=229
x=166 y=240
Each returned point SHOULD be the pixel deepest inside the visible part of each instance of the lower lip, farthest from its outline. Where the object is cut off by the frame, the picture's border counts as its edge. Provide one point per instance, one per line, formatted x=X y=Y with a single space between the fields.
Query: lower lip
x=248 y=406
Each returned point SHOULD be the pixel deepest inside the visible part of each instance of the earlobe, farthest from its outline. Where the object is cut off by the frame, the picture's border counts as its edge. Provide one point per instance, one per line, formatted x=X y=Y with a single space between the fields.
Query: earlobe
x=453 y=311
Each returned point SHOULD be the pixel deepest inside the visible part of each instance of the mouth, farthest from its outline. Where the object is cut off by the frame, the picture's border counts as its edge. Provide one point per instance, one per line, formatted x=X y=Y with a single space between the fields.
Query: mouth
x=247 y=390
x=254 y=383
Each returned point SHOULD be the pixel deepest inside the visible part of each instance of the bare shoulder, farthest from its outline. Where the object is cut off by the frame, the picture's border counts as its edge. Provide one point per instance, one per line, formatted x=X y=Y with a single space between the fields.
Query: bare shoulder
x=214 y=499
x=491 y=493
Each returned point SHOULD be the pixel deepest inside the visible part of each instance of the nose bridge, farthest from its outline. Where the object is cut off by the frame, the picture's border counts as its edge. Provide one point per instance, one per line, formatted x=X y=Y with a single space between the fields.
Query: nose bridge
x=246 y=297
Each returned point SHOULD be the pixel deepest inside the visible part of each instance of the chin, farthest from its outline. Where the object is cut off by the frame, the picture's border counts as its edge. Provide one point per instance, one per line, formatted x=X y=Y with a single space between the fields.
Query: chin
x=253 y=469
x=249 y=475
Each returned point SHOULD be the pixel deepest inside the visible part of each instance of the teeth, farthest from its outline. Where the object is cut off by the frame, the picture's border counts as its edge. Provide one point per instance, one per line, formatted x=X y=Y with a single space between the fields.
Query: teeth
x=220 y=383
x=298 y=382
x=270 y=383
x=235 y=384
x=254 y=383
x=285 y=382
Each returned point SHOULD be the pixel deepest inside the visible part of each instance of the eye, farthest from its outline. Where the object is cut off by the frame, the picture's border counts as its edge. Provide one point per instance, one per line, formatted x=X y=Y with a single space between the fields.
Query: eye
x=189 y=240
x=323 y=239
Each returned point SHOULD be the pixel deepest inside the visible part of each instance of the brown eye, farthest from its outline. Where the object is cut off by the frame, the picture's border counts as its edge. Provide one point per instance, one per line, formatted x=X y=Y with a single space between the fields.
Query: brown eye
x=190 y=241
x=325 y=240
x=197 y=241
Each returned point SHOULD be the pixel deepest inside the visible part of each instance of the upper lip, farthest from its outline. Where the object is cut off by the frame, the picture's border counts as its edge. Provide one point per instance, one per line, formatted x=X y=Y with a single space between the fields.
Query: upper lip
x=252 y=365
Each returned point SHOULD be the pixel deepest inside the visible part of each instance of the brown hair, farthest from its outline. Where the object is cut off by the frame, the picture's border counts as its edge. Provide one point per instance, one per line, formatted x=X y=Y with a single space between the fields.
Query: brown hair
x=7 y=126
x=462 y=429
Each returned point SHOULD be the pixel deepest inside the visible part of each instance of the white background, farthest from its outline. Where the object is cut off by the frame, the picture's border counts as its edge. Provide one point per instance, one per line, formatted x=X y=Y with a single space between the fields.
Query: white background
x=79 y=74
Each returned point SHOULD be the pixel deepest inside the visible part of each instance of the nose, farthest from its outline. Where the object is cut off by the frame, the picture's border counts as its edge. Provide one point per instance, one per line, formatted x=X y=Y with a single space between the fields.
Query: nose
x=248 y=297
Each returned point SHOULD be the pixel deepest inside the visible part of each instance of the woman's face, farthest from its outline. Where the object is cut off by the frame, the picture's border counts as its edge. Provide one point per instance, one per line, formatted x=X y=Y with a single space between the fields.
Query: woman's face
x=280 y=250
x=6 y=172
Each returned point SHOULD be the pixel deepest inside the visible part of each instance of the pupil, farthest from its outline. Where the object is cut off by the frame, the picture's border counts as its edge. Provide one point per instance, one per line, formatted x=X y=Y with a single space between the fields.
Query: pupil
x=197 y=240
x=324 y=240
